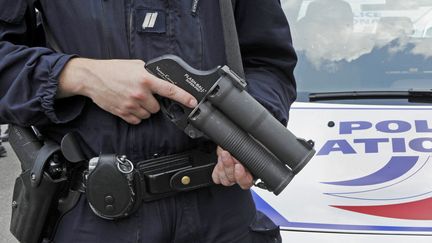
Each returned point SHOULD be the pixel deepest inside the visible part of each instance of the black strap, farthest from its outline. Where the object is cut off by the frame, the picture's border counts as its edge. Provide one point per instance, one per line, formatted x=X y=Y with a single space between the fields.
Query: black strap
x=232 y=47
x=42 y=159
x=35 y=19
x=31 y=23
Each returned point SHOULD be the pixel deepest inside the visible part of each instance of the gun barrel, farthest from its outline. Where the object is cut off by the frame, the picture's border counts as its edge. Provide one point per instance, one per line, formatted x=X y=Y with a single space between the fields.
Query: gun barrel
x=260 y=162
x=233 y=119
x=250 y=115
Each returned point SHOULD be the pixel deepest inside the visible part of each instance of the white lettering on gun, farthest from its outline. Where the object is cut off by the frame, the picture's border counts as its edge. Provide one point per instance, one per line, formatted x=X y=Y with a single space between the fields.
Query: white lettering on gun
x=194 y=84
x=163 y=75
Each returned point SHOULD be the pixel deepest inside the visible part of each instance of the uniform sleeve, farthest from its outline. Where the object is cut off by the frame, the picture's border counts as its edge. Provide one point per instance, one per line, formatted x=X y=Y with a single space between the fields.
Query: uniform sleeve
x=29 y=75
x=268 y=55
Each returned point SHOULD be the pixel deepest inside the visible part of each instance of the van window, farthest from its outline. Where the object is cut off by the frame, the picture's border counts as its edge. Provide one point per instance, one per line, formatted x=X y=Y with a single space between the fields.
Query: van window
x=361 y=45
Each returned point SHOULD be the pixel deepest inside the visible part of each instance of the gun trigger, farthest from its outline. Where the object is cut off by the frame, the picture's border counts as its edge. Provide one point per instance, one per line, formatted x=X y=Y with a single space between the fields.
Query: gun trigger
x=175 y=112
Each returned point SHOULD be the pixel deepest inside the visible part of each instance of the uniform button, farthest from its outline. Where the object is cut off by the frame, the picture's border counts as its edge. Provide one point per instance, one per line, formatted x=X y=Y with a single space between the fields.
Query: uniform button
x=109 y=199
x=155 y=155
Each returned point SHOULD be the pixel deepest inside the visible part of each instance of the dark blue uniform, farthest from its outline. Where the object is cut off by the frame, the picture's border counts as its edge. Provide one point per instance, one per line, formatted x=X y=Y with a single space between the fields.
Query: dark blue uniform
x=117 y=29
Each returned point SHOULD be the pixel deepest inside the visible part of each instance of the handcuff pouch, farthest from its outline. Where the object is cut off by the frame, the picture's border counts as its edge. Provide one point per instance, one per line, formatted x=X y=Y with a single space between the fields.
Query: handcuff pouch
x=112 y=187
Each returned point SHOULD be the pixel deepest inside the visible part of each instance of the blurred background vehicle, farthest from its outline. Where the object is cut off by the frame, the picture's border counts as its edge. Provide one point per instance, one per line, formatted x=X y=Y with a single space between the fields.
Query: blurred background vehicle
x=364 y=96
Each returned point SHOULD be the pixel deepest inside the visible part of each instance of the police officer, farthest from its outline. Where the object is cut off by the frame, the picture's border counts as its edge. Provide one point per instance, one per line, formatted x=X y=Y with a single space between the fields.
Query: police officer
x=89 y=77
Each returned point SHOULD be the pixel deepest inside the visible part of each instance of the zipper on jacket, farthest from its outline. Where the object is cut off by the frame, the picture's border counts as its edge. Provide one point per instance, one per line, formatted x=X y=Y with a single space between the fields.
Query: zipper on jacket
x=104 y=28
x=130 y=26
x=194 y=8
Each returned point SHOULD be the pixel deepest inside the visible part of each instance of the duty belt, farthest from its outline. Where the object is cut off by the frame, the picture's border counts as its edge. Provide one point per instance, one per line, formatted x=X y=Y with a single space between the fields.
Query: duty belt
x=115 y=187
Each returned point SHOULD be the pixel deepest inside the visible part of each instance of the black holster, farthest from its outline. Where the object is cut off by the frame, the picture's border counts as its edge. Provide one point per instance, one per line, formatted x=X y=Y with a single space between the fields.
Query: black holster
x=31 y=206
x=37 y=190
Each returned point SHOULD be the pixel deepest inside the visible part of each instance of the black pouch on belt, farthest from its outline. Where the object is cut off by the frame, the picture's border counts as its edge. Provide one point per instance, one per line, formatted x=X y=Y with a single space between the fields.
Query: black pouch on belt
x=168 y=175
x=113 y=187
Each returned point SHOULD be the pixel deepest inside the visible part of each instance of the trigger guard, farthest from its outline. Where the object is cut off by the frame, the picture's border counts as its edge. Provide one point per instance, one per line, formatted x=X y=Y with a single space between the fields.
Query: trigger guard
x=180 y=121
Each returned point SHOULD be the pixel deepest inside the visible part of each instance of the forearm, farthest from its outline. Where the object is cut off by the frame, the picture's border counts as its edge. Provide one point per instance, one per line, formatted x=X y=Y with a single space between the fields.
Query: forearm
x=74 y=77
x=28 y=84
x=29 y=74
x=273 y=92
x=268 y=55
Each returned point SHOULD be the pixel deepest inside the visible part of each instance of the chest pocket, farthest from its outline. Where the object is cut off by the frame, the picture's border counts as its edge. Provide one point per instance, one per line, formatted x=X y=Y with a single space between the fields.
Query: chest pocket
x=89 y=28
x=161 y=27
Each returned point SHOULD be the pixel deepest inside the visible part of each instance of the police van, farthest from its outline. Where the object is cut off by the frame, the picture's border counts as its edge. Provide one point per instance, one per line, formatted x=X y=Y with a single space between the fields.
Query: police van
x=365 y=97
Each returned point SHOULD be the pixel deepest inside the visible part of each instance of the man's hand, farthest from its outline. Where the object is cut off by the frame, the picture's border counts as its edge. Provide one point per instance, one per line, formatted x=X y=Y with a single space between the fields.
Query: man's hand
x=228 y=171
x=121 y=87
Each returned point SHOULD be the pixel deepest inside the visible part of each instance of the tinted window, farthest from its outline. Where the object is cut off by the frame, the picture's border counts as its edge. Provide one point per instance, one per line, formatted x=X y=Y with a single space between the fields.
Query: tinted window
x=354 y=45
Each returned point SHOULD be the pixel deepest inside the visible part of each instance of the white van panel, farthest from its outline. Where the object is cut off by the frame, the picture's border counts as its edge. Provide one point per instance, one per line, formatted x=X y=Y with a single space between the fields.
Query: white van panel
x=372 y=172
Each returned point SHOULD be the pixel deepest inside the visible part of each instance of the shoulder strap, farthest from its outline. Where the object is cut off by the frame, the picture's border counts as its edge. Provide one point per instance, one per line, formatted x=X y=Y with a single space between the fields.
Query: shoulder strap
x=31 y=22
x=37 y=25
x=232 y=47
x=234 y=2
